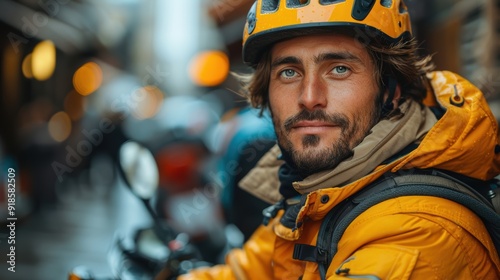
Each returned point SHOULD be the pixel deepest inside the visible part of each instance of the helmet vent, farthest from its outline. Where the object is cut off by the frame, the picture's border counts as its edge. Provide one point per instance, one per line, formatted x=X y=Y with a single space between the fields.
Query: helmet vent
x=361 y=9
x=402 y=8
x=386 y=3
x=269 y=6
x=296 y=3
x=328 y=2
x=251 y=18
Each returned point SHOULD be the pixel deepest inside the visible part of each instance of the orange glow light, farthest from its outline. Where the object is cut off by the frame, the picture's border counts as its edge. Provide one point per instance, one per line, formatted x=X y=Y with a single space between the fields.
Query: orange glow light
x=88 y=78
x=26 y=67
x=209 y=68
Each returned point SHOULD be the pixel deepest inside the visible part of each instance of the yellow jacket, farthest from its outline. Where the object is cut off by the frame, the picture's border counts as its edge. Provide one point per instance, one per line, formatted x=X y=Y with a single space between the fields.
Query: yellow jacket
x=402 y=238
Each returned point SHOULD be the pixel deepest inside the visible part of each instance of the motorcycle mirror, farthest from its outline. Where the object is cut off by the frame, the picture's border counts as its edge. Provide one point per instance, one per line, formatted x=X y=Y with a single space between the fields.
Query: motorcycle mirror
x=139 y=169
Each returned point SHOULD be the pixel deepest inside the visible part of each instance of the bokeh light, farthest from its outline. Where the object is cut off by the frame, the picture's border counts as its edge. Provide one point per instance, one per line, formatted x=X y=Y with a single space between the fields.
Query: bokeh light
x=209 y=68
x=74 y=105
x=88 y=78
x=27 y=66
x=60 y=126
x=43 y=60
x=147 y=102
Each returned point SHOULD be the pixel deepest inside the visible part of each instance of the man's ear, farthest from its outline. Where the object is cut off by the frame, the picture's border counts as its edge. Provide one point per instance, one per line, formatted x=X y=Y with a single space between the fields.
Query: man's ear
x=397 y=96
x=391 y=96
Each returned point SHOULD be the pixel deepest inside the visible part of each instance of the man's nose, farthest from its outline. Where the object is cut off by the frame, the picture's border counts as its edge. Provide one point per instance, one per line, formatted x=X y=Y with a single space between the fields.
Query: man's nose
x=313 y=93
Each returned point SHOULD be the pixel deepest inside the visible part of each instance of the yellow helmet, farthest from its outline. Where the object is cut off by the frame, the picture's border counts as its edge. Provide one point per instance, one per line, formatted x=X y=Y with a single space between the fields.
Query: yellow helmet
x=270 y=21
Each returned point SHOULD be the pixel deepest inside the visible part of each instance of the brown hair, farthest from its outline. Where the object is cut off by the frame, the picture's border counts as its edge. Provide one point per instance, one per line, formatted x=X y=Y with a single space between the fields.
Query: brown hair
x=400 y=60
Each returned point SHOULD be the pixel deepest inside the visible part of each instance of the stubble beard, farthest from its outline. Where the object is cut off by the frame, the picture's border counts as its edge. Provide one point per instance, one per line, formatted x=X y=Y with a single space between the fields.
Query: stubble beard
x=313 y=159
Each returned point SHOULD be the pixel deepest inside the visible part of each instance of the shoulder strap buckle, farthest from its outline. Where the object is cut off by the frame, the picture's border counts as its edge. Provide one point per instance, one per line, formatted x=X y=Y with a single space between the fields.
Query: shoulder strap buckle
x=309 y=253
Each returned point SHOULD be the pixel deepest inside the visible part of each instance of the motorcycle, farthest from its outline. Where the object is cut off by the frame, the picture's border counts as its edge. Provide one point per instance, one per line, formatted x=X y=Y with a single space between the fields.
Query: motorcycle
x=158 y=251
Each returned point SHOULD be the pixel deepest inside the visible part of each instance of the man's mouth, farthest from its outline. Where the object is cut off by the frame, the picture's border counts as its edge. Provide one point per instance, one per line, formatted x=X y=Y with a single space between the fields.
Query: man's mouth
x=312 y=127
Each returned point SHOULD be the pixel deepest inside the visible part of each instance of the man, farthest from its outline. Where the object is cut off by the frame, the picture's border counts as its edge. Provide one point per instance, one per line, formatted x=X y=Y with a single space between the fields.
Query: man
x=346 y=90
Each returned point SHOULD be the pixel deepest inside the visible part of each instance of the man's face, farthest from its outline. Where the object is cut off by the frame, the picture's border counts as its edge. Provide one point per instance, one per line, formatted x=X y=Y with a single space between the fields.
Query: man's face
x=323 y=97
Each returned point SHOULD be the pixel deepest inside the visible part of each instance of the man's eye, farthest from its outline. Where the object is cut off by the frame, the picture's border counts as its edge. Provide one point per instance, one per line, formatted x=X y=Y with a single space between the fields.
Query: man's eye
x=288 y=73
x=340 y=70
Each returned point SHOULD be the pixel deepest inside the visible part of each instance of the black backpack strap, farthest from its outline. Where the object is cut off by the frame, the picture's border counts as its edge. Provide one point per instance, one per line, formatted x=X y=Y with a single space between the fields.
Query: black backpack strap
x=494 y=194
x=415 y=183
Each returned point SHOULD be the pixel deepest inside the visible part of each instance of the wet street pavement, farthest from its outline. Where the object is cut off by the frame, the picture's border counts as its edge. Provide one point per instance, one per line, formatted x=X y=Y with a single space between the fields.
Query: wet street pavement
x=76 y=232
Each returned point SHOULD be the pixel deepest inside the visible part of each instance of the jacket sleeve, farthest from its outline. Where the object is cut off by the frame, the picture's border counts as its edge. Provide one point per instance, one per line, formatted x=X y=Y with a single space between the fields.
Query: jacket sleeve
x=253 y=261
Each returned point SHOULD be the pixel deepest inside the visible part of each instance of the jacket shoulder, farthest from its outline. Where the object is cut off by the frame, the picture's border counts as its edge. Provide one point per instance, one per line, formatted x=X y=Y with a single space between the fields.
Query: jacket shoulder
x=435 y=236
